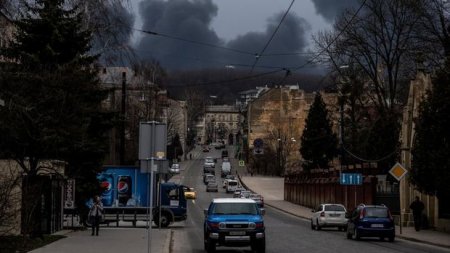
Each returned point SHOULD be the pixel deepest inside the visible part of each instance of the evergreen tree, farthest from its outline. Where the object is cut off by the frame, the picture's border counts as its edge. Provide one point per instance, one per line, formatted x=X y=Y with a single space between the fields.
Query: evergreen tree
x=430 y=170
x=318 y=142
x=52 y=95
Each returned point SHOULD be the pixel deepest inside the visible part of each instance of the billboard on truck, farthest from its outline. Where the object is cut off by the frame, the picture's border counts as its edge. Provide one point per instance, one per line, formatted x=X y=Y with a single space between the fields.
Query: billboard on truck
x=123 y=187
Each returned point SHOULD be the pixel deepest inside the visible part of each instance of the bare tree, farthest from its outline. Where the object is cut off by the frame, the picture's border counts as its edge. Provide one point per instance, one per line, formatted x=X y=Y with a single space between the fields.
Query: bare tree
x=9 y=199
x=378 y=40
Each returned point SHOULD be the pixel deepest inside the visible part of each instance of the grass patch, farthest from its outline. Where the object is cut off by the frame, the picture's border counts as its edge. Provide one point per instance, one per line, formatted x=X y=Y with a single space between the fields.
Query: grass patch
x=15 y=244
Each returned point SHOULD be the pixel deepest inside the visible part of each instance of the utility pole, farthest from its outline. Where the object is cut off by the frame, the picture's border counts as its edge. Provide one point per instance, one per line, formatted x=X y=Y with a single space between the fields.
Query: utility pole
x=341 y=129
x=123 y=119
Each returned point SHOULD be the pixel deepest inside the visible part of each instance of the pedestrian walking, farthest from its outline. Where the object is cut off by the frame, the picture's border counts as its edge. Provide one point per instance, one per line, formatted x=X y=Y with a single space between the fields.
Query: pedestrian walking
x=95 y=214
x=417 y=207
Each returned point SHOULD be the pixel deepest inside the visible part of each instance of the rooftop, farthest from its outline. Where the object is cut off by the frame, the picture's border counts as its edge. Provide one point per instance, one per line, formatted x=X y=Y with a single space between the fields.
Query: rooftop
x=233 y=200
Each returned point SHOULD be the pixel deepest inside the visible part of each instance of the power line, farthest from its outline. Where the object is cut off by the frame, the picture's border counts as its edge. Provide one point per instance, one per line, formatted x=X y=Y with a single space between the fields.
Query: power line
x=272 y=36
x=195 y=42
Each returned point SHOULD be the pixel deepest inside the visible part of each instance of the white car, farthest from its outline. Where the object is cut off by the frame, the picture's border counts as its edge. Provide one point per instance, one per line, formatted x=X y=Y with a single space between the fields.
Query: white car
x=175 y=168
x=329 y=215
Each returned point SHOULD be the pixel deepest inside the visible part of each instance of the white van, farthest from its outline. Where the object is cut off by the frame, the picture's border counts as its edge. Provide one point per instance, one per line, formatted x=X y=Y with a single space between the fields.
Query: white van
x=232 y=185
x=226 y=169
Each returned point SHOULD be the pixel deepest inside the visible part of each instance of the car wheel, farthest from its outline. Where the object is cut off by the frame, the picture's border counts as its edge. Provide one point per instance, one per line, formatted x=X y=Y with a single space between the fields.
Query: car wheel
x=391 y=239
x=356 y=234
x=210 y=246
x=318 y=227
x=165 y=220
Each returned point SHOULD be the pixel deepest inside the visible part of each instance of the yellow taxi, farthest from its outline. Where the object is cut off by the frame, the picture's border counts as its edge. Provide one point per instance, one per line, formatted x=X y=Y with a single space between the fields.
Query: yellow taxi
x=189 y=193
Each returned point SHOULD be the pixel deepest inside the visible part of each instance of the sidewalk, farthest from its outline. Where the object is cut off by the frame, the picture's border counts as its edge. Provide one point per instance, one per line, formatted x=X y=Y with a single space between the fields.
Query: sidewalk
x=272 y=189
x=111 y=240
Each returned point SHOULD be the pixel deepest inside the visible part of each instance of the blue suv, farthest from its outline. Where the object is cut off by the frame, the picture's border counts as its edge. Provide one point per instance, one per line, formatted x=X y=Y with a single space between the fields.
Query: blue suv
x=371 y=221
x=234 y=222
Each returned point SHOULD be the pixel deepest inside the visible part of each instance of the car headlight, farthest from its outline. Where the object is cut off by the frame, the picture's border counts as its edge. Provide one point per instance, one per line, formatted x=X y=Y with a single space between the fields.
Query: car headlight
x=252 y=225
x=222 y=225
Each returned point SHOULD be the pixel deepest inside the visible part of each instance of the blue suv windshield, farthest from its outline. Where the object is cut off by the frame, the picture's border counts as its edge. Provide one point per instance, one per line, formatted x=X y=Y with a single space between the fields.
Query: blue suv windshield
x=235 y=208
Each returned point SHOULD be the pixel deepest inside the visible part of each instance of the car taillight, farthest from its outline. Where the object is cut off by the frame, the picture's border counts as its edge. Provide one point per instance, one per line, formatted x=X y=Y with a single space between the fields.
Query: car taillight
x=322 y=214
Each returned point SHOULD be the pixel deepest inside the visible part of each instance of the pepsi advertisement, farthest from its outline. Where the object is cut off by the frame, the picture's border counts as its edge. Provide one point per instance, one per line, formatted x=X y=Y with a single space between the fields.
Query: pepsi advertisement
x=123 y=187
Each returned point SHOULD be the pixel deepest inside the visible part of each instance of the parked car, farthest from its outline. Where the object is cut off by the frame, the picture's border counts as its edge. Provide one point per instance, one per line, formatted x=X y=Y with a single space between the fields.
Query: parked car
x=258 y=198
x=175 y=168
x=370 y=221
x=237 y=192
x=235 y=223
x=212 y=186
x=329 y=215
x=189 y=193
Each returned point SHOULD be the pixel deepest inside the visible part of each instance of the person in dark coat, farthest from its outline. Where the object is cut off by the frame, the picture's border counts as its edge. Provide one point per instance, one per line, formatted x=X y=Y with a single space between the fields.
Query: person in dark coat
x=417 y=207
x=95 y=214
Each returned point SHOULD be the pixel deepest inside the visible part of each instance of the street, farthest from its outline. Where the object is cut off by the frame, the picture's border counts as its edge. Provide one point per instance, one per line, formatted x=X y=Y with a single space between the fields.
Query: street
x=284 y=232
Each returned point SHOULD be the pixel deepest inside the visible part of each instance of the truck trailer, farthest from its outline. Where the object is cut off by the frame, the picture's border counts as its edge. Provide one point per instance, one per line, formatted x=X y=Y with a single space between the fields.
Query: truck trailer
x=125 y=197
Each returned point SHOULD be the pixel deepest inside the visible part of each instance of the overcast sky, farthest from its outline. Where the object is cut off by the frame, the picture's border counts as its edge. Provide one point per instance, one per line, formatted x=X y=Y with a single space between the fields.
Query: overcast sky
x=244 y=25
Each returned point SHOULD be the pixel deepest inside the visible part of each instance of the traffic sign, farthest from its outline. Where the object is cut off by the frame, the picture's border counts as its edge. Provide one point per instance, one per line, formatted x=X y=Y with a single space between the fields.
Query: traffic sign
x=351 y=179
x=258 y=143
x=241 y=163
x=398 y=171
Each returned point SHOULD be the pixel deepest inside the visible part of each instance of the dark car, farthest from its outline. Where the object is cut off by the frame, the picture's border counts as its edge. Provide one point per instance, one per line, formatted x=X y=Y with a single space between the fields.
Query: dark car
x=371 y=221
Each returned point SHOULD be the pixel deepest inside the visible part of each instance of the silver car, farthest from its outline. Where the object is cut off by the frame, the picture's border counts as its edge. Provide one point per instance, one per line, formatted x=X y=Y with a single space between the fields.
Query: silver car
x=329 y=215
x=212 y=186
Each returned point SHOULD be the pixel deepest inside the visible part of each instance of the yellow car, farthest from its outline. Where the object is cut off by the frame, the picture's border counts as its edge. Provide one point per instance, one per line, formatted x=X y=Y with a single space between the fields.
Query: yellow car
x=189 y=193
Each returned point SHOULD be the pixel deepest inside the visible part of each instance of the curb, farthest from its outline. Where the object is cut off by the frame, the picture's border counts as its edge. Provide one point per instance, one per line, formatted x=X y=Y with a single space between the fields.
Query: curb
x=422 y=241
x=168 y=244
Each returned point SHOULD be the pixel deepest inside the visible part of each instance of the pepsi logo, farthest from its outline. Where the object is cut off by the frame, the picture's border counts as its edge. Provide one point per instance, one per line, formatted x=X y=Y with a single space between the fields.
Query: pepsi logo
x=122 y=187
x=106 y=185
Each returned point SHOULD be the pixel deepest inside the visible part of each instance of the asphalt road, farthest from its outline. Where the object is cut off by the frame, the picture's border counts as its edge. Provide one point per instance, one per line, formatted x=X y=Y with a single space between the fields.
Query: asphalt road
x=284 y=232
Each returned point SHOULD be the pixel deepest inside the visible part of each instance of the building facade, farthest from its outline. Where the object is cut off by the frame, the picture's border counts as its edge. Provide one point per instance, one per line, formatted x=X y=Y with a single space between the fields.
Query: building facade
x=277 y=117
x=417 y=91
x=221 y=123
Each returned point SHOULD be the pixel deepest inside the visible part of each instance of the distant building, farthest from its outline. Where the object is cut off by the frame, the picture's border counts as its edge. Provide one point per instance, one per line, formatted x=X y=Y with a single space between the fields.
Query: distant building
x=436 y=211
x=221 y=123
x=143 y=101
x=277 y=117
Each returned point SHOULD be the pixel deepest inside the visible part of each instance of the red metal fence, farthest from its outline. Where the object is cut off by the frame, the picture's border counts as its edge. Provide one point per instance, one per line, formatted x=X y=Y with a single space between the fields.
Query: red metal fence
x=311 y=192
